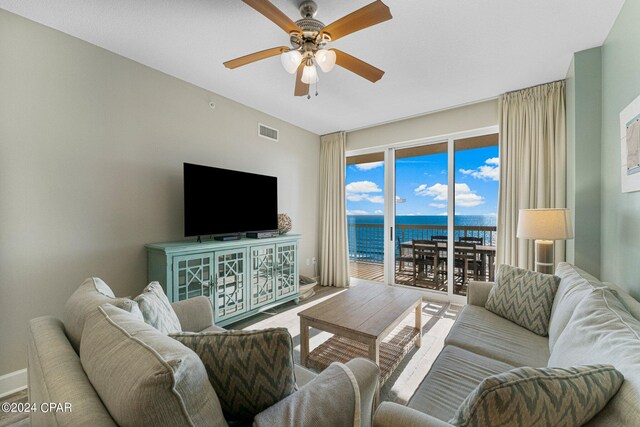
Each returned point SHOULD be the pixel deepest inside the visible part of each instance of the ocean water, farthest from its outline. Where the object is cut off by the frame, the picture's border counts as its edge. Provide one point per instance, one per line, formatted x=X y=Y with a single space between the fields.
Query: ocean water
x=366 y=233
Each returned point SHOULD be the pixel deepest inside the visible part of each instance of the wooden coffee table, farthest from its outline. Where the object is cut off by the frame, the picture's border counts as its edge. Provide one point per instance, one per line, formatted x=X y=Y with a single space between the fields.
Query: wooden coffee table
x=365 y=314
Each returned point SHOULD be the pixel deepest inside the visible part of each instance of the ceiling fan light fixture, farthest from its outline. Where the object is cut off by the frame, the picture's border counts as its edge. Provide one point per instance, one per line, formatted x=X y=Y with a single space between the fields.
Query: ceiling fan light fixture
x=326 y=59
x=291 y=60
x=310 y=75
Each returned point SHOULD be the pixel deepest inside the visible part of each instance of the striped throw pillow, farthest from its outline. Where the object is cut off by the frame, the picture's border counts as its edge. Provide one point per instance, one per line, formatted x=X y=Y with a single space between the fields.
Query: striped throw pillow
x=249 y=370
x=540 y=397
x=525 y=297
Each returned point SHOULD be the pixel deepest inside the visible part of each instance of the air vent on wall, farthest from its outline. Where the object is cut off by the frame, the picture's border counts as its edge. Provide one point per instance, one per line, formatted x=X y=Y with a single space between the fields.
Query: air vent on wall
x=267 y=132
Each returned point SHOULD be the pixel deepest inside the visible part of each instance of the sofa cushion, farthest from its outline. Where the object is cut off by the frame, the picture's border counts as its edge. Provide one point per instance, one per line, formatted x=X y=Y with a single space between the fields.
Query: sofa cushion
x=524 y=297
x=331 y=399
x=602 y=331
x=157 y=310
x=540 y=396
x=142 y=376
x=575 y=285
x=92 y=293
x=453 y=375
x=249 y=370
x=629 y=302
x=479 y=330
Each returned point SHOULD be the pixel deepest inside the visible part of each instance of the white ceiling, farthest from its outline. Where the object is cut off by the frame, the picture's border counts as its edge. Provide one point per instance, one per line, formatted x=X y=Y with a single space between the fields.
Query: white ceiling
x=436 y=53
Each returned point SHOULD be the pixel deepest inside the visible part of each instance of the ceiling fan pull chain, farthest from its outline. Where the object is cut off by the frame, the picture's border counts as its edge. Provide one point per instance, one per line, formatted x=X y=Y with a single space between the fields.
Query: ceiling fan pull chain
x=317 y=88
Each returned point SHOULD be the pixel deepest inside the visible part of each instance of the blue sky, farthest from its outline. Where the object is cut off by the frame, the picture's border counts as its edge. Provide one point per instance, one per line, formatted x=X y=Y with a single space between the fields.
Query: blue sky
x=421 y=184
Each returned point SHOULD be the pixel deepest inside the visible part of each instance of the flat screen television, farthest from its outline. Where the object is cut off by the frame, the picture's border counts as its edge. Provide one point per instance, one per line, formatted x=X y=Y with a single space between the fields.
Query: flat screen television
x=222 y=201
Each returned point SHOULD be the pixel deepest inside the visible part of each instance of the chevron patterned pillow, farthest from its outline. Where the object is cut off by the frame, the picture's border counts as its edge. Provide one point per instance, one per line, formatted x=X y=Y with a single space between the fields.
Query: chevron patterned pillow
x=540 y=397
x=249 y=370
x=524 y=297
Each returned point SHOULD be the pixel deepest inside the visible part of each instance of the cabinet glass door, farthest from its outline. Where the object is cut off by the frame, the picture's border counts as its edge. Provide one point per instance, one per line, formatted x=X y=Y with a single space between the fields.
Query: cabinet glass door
x=230 y=295
x=286 y=274
x=192 y=276
x=262 y=275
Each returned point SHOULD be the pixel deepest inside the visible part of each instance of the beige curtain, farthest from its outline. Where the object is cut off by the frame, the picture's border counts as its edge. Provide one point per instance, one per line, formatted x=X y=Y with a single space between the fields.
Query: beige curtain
x=532 y=165
x=334 y=255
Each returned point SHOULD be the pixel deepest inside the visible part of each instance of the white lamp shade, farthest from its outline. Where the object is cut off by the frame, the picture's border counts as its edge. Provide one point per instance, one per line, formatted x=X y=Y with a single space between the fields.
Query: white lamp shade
x=326 y=59
x=291 y=60
x=309 y=75
x=544 y=224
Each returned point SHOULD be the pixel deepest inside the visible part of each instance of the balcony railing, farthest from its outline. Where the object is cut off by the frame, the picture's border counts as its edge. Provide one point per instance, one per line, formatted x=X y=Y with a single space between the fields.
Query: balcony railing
x=366 y=241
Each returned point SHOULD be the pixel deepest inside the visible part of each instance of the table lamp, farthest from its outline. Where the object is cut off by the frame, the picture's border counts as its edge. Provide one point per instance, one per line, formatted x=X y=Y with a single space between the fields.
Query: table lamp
x=545 y=226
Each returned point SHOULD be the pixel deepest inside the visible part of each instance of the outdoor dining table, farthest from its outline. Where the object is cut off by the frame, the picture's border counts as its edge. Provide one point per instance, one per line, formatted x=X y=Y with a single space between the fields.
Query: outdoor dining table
x=485 y=251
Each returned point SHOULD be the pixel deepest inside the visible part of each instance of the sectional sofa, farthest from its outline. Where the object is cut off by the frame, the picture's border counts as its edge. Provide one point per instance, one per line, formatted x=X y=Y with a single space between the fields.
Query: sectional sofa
x=589 y=325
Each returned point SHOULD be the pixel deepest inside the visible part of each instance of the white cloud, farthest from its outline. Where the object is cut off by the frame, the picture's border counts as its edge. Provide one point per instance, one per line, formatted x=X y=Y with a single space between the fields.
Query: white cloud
x=438 y=205
x=359 y=191
x=368 y=166
x=357 y=212
x=356 y=197
x=364 y=197
x=400 y=199
x=489 y=171
x=465 y=197
x=363 y=187
x=378 y=212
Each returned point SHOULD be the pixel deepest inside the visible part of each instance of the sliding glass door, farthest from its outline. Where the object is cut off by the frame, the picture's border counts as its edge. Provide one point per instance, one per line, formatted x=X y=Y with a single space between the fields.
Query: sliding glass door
x=477 y=171
x=421 y=217
x=423 y=214
x=365 y=216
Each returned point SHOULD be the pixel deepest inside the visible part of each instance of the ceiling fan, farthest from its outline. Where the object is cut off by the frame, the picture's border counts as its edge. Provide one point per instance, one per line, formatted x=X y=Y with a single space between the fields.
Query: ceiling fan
x=308 y=38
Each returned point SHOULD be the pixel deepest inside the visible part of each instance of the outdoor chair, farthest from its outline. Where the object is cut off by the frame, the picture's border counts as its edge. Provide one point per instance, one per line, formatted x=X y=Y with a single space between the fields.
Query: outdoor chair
x=426 y=257
x=471 y=239
x=439 y=238
x=404 y=257
x=467 y=264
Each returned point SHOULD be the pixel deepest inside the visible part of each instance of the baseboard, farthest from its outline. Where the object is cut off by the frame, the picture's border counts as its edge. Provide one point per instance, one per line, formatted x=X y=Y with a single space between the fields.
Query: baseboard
x=13 y=382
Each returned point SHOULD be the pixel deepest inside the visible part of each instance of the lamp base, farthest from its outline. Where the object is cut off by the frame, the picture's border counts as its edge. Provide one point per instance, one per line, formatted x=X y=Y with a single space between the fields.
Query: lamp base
x=545 y=256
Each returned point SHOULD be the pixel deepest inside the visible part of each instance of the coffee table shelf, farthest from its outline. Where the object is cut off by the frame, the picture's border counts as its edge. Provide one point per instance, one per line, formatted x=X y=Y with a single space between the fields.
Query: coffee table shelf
x=340 y=349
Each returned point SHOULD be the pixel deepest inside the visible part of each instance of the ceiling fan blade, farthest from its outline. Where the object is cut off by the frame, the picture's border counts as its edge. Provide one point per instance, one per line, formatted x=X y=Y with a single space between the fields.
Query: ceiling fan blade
x=357 y=66
x=371 y=14
x=256 y=56
x=301 y=89
x=274 y=14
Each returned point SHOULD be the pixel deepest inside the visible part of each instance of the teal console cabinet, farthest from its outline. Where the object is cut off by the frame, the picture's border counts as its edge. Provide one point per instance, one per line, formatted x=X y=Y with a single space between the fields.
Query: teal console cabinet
x=240 y=277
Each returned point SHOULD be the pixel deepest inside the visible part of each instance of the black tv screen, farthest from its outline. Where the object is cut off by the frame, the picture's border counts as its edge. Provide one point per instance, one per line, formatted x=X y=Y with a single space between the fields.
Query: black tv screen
x=223 y=201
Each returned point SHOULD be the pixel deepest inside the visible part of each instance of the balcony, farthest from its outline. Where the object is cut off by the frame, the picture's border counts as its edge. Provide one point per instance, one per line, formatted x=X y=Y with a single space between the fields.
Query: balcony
x=366 y=254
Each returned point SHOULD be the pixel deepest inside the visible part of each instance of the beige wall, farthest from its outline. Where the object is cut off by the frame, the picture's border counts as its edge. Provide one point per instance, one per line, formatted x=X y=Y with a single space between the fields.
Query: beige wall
x=91 y=153
x=474 y=116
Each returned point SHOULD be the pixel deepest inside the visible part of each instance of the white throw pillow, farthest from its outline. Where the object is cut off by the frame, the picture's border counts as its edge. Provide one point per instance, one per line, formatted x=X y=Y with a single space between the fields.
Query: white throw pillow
x=602 y=331
x=331 y=399
x=156 y=309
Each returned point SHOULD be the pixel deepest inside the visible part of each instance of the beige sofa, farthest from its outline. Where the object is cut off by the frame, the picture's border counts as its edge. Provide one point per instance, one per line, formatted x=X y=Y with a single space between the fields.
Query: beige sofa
x=587 y=326
x=56 y=374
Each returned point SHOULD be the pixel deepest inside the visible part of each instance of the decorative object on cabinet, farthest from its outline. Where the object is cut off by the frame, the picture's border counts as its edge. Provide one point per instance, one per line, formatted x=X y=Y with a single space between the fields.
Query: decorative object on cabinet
x=284 y=223
x=241 y=278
